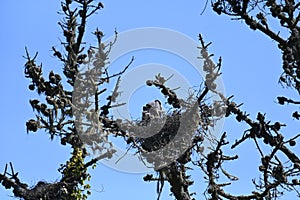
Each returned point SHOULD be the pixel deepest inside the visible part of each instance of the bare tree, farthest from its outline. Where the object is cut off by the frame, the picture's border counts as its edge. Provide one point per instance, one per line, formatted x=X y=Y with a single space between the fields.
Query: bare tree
x=81 y=120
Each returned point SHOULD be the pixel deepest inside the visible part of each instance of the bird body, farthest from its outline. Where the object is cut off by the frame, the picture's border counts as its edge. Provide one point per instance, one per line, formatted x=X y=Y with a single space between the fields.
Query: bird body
x=152 y=110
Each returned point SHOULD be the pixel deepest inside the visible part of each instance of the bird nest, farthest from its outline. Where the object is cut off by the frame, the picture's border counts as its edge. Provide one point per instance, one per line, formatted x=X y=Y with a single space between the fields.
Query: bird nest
x=163 y=140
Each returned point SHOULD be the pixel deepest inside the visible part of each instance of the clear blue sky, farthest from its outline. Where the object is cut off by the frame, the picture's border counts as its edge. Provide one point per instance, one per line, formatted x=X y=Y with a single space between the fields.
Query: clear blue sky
x=251 y=67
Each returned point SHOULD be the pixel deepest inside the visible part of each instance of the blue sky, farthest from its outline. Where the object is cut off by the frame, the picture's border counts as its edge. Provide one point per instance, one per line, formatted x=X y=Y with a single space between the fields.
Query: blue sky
x=251 y=68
